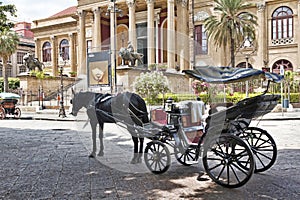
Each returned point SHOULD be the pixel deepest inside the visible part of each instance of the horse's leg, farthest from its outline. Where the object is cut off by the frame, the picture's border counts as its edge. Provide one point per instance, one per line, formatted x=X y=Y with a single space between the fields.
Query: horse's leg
x=141 y=150
x=135 y=150
x=101 y=152
x=93 y=126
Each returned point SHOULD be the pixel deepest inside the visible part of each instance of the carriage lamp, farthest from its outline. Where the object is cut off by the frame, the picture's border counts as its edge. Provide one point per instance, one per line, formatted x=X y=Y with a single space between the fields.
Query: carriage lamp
x=62 y=112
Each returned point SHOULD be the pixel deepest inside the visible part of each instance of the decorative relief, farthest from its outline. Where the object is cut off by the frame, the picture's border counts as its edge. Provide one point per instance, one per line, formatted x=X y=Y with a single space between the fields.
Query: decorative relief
x=283 y=41
x=200 y=16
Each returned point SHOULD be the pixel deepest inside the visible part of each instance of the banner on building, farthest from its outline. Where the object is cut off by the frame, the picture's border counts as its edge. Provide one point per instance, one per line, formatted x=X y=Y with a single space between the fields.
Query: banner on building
x=99 y=69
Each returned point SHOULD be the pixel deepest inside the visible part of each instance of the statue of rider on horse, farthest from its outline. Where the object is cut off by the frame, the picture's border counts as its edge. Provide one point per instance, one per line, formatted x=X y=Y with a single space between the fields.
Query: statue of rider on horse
x=31 y=63
x=128 y=54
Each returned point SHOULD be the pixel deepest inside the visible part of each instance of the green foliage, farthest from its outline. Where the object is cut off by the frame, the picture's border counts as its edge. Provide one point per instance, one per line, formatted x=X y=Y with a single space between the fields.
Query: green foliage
x=232 y=26
x=5 y=23
x=13 y=84
x=149 y=85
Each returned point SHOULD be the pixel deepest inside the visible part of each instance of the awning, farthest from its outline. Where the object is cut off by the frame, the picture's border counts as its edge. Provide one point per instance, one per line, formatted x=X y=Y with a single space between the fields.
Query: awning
x=223 y=75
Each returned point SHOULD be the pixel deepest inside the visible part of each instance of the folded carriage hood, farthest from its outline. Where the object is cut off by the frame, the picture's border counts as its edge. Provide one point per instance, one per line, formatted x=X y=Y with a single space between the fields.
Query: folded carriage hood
x=225 y=75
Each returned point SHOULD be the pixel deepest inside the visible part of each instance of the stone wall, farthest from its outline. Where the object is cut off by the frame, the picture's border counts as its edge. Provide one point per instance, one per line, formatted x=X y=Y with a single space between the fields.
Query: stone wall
x=50 y=85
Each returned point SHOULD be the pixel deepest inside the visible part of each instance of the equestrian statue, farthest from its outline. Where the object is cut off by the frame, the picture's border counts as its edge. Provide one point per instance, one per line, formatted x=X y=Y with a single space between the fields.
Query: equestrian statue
x=31 y=63
x=128 y=54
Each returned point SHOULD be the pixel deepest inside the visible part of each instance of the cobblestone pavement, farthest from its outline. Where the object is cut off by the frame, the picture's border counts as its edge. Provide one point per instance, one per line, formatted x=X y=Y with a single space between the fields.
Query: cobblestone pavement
x=43 y=159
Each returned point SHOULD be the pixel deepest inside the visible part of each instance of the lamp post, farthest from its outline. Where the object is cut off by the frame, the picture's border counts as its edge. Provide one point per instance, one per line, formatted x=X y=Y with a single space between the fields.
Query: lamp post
x=248 y=44
x=62 y=112
x=113 y=10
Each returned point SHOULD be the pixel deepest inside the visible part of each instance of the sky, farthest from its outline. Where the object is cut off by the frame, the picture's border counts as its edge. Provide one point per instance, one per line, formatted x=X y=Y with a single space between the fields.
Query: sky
x=29 y=10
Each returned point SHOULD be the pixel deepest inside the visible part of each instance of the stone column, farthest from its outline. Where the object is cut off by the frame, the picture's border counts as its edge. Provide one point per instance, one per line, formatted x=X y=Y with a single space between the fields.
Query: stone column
x=150 y=32
x=262 y=42
x=132 y=28
x=71 y=52
x=97 y=30
x=37 y=50
x=54 y=56
x=81 y=69
x=171 y=34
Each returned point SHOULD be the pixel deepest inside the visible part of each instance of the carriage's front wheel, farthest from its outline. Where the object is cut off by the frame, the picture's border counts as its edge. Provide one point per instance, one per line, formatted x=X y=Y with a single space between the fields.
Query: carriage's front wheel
x=157 y=157
x=17 y=113
x=228 y=160
x=263 y=147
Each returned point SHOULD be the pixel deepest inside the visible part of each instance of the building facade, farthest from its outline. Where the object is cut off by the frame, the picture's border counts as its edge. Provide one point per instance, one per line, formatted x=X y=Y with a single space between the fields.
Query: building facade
x=169 y=32
x=15 y=62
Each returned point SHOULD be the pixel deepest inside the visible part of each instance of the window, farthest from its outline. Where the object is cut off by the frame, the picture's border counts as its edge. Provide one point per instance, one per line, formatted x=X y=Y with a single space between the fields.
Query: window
x=89 y=46
x=200 y=40
x=282 y=23
x=22 y=68
x=47 y=52
x=64 y=49
x=285 y=63
x=20 y=56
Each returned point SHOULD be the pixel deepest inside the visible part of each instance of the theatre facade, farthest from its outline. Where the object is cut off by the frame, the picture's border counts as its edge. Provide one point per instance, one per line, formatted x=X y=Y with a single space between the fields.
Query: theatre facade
x=167 y=32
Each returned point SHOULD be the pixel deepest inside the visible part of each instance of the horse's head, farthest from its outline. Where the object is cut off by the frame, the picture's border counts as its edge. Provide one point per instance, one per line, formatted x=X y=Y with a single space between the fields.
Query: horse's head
x=78 y=101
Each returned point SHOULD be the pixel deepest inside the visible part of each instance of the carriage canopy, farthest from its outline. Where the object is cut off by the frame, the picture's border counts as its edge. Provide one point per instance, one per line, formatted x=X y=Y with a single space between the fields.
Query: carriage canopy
x=223 y=75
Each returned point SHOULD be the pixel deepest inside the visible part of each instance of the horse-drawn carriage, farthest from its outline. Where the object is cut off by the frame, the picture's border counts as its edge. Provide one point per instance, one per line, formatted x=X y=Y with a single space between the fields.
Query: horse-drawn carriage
x=231 y=150
x=8 y=106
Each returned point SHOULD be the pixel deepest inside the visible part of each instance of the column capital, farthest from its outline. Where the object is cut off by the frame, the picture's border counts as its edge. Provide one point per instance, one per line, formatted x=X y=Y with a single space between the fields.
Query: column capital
x=261 y=6
x=183 y=3
x=171 y=1
x=150 y=1
x=130 y=3
x=81 y=13
x=97 y=10
x=52 y=37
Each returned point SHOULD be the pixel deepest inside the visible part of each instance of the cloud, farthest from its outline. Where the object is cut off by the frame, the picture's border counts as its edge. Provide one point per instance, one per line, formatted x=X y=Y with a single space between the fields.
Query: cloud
x=29 y=10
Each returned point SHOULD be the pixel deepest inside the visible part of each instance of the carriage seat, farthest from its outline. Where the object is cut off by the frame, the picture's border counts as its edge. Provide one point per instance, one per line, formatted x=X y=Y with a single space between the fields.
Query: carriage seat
x=159 y=117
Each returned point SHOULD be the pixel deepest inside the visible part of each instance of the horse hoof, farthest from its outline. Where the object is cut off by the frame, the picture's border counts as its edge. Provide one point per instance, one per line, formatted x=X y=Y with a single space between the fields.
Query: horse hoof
x=92 y=155
x=133 y=161
x=100 y=154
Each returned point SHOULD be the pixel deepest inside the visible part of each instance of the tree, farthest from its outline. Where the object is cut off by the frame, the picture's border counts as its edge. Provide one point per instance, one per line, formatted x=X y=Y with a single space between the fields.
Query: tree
x=4 y=21
x=8 y=44
x=233 y=25
x=151 y=84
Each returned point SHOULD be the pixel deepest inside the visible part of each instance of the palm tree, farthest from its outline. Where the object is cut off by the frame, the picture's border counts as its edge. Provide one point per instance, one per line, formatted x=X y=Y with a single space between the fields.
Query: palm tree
x=8 y=44
x=233 y=25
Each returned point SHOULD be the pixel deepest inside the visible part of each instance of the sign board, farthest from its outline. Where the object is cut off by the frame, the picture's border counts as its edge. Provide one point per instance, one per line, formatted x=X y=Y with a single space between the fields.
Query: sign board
x=99 y=68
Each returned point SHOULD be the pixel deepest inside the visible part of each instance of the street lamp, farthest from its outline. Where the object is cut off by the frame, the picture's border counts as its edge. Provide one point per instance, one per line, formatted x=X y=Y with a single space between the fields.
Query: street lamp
x=113 y=10
x=62 y=112
x=248 y=44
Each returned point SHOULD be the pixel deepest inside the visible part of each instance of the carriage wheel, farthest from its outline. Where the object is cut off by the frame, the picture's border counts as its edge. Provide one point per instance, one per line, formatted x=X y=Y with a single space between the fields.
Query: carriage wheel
x=187 y=158
x=263 y=147
x=2 y=113
x=228 y=161
x=17 y=113
x=157 y=157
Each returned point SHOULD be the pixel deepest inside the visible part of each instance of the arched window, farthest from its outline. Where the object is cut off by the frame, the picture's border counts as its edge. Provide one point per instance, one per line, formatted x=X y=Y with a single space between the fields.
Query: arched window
x=64 y=49
x=282 y=23
x=287 y=65
x=47 y=52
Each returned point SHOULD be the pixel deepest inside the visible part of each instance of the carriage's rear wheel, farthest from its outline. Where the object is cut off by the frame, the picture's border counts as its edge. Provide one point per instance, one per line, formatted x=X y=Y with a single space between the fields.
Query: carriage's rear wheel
x=228 y=160
x=157 y=157
x=2 y=113
x=17 y=113
x=263 y=147
x=187 y=157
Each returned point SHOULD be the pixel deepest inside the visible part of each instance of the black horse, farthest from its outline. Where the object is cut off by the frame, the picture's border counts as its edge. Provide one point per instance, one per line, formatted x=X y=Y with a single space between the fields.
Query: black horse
x=126 y=107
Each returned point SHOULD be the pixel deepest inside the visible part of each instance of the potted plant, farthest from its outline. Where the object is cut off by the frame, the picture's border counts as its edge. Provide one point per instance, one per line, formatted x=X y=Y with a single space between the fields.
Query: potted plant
x=72 y=74
x=162 y=67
